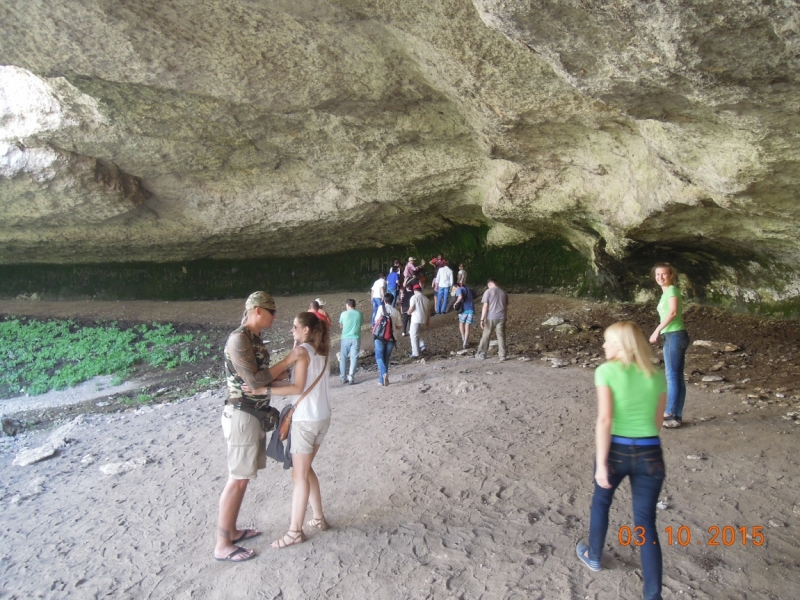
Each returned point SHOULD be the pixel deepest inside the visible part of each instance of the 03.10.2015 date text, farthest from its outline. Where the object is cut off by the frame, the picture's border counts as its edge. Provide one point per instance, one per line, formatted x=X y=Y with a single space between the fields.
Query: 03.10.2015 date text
x=727 y=535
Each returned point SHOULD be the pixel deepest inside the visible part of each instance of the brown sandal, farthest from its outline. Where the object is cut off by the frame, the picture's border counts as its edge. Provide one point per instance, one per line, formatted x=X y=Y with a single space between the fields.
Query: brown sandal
x=320 y=524
x=294 y=537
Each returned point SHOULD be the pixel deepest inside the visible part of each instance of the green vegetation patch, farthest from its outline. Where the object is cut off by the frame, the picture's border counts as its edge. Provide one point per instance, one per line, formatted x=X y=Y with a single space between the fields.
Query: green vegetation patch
x=38 y=356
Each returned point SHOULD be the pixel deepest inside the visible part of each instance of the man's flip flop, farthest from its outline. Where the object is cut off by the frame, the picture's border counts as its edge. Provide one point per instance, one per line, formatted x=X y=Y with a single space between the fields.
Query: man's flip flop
x=246 y=535
x=232 y=557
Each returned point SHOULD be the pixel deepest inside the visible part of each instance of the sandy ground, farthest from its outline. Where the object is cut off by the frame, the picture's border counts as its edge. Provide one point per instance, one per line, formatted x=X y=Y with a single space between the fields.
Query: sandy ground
x=477 y=488
x=463 y=479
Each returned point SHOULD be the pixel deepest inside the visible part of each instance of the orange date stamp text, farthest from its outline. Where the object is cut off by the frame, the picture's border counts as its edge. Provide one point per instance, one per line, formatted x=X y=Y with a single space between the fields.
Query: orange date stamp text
x=727 y=535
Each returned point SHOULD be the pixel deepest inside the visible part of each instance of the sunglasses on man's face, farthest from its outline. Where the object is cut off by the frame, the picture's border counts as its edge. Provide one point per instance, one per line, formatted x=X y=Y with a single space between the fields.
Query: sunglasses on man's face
x=271 y=311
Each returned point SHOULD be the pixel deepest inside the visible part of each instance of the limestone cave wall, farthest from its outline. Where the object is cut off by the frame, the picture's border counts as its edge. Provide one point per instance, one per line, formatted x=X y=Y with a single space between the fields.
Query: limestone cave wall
x=629 y=130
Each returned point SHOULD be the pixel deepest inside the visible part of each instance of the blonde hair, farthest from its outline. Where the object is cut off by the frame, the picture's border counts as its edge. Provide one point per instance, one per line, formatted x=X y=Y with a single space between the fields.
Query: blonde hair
x=633 y=346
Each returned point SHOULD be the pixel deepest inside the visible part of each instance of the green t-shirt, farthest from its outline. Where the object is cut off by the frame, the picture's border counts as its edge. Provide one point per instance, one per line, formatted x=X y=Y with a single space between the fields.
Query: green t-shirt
x=635 y=398
x=663 y=308
x=351 y=321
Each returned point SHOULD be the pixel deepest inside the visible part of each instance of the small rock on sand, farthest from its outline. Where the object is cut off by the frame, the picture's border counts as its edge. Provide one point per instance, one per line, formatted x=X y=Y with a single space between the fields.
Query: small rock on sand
x=717 y=346
x=566 y=328
x=776 y=523
x=58 y=439
x=553 y=321
x=11 y=426
x=123 y=467
x=28 y=456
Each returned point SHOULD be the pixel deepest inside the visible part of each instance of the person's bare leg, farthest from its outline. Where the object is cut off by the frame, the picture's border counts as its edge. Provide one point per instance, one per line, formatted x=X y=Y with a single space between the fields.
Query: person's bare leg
x=315 y=496
x=306 y=487
x=229 y=504
x=466 y=333
x=301 y=489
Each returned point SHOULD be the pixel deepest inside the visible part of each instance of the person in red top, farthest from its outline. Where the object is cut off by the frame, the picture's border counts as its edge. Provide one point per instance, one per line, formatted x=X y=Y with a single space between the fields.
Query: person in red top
x=438 y=262
x=315 y=306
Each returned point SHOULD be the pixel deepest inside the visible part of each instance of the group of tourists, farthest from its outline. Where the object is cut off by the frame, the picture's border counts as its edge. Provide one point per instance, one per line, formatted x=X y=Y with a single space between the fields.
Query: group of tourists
x=451 y=292
x=635 y=399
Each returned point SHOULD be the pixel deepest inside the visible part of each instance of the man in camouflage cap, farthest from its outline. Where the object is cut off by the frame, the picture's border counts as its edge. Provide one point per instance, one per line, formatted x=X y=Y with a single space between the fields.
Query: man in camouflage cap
x=246 y=362
x=259 y=300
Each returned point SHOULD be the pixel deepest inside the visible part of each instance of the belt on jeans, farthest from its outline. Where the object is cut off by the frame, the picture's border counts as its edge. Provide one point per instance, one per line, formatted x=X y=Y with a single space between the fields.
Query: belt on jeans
x=626 y=441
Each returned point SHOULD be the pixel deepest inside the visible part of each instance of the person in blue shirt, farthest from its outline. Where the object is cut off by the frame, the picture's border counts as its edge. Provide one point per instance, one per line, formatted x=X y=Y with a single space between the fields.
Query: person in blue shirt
x=392 y=283
x=465 y=306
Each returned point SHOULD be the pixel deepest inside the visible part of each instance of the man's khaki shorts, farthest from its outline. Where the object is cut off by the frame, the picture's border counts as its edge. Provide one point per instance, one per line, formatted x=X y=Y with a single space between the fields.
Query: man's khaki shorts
x=247 y=451
x=307 y=434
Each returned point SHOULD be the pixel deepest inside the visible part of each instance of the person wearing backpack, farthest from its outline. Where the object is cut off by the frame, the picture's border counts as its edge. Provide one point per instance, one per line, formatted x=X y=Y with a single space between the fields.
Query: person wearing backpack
x=387 y=319
x=419 y=309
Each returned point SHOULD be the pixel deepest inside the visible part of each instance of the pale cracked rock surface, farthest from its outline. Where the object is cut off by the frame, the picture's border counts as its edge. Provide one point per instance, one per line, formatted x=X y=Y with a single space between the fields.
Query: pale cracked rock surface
x=179 y=130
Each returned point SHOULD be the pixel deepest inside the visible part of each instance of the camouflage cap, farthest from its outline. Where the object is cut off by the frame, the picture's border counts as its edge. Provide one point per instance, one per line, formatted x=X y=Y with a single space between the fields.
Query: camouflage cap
x=259 y=300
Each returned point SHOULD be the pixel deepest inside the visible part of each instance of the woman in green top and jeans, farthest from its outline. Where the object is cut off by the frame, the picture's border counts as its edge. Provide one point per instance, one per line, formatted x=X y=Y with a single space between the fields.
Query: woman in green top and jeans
x=676 y=341
x=631 y=394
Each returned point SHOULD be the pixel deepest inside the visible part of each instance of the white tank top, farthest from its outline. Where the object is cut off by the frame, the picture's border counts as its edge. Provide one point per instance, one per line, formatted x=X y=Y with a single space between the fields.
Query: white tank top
x=316 y=406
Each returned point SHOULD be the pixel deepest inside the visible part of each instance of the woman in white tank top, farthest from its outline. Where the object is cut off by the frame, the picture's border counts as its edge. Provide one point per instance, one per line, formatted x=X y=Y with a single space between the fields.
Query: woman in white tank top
x=309 y=423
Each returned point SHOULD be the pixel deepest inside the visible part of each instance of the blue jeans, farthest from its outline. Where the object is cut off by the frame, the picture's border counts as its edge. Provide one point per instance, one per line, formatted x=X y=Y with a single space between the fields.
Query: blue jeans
x=393 y=292
x=383 y=350
x=376 y=304
x=441 y=300
x=675 y=345
x=350 y=347
x=645 y=466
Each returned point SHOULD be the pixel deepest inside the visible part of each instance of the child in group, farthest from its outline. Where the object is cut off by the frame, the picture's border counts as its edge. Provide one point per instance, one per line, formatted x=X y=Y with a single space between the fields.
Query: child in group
x=631 y=395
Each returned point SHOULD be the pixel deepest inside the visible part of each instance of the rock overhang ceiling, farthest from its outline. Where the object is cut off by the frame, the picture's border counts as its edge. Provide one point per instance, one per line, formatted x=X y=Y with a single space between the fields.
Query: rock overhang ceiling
x=179 y=130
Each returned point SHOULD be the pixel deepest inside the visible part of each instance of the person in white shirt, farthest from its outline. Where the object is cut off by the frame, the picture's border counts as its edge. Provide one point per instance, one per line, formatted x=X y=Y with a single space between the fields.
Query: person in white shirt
x=443 y=283
x=378 y=290
x=419 y=309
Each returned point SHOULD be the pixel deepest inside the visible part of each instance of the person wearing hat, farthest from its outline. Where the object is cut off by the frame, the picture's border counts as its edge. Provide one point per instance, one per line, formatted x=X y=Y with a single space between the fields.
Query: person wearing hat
x=246 y=364
x=410 y=270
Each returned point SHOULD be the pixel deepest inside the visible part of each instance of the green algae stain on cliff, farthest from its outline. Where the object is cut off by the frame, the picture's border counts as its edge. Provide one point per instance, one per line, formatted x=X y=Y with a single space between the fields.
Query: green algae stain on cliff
x=548 y=264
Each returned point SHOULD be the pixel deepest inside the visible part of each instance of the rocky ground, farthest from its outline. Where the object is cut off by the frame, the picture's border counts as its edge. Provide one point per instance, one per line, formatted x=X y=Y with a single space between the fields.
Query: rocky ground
x=463 y=478
x=752 y=361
